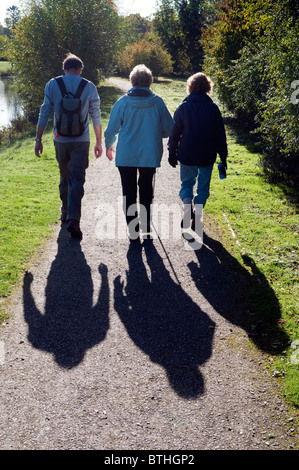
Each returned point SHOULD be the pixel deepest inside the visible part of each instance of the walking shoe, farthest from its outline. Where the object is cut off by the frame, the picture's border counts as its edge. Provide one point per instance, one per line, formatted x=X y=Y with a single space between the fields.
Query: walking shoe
x=74 y=228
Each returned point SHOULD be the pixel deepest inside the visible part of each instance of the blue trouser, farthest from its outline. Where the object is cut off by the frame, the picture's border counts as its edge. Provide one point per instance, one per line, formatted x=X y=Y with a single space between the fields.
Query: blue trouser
x=189 y=176
x=73 y=159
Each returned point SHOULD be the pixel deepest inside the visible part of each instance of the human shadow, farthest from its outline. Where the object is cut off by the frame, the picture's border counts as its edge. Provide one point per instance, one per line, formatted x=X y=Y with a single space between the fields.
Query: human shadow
x=163 y=321
x=70 y=324
x=242 y=296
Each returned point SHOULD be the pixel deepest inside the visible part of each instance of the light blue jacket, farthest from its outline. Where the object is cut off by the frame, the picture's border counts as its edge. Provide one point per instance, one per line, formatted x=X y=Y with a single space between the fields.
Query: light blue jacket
x=141 y=122
x=90 y=105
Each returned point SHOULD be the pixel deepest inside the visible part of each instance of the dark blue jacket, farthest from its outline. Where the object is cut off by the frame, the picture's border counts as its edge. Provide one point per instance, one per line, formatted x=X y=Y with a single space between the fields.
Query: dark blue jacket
x=198 y=134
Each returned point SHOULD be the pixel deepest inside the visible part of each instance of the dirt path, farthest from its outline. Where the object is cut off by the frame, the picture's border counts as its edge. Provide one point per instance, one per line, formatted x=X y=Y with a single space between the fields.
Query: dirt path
x=112 y=346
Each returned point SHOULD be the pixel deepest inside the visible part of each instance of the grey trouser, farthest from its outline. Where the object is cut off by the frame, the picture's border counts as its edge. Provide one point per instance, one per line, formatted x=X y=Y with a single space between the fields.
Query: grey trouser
x=73 y=161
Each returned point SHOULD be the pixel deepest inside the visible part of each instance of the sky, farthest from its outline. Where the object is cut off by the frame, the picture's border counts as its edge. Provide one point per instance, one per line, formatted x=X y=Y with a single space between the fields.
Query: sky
x=143 y=7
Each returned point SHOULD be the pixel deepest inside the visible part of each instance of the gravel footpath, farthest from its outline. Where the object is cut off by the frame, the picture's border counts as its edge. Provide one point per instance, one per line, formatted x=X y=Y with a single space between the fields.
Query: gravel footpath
x=115 y=346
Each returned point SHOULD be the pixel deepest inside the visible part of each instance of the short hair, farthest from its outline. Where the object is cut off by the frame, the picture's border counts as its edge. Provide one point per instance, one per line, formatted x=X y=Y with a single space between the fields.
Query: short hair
x=72 y=62
x=199 y=82
x=141 y=76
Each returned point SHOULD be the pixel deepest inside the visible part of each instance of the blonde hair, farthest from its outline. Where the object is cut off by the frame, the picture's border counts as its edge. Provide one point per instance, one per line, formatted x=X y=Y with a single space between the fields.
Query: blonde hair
x=199 y=82
x=141 y=76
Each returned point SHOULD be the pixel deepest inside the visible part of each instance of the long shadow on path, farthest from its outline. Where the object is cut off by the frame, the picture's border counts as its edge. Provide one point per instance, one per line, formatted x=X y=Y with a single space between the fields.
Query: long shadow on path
x=70 y=324
x=243 y=297
x=163 y=321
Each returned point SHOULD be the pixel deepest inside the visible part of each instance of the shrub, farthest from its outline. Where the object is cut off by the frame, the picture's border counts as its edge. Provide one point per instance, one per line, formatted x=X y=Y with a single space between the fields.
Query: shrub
x=145 y=52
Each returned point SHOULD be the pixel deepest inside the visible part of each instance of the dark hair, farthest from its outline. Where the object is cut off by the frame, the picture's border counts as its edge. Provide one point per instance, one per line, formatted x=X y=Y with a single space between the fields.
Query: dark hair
x=72 y=62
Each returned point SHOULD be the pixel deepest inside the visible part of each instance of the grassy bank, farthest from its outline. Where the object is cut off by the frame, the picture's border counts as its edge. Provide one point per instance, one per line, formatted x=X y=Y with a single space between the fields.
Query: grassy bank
x=259 y=223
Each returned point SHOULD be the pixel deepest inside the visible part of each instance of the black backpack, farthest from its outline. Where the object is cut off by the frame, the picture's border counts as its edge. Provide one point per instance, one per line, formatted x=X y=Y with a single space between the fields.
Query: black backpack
x=70 y=122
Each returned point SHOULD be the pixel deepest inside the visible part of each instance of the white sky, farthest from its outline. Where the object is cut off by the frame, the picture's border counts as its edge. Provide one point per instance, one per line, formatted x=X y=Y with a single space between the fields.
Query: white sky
x=143 y=7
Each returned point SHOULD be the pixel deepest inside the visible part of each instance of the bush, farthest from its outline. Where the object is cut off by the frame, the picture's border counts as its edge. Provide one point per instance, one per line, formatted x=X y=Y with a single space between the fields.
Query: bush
x=148 y=53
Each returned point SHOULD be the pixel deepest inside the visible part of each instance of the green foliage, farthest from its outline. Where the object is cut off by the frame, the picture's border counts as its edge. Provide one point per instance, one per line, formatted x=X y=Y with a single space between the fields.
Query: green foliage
x=4 y=44
x=49 y=31
x=251 y=54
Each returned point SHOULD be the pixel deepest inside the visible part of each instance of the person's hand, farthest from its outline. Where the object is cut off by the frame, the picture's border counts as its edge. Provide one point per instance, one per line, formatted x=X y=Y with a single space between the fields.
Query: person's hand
x=172 y=160
x=224 y=162
x=98 y=149
x=38 y=149
x=109 y=153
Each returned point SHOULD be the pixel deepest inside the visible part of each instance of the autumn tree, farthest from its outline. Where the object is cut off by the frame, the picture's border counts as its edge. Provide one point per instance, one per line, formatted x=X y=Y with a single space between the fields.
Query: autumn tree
x=149 y=52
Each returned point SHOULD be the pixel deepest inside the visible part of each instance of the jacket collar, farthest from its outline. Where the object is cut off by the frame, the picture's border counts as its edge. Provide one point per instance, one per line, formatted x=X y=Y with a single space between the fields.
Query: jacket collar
x=139 y=91
x=198 y=96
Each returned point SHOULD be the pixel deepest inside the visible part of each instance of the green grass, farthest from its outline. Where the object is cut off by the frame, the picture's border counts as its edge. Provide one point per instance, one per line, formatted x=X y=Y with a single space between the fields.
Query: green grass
x=5 y=68
x=263 y=217
x=29 y=205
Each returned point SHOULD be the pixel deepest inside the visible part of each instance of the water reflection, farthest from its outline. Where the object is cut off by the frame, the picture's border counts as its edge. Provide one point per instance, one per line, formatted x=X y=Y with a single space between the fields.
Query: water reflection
x=10 y=106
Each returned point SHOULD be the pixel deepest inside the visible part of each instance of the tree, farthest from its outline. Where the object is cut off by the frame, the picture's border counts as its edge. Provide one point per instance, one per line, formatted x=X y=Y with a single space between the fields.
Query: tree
x=50 y=30
x=133 y=28
x=12 y=18
x=180 y=23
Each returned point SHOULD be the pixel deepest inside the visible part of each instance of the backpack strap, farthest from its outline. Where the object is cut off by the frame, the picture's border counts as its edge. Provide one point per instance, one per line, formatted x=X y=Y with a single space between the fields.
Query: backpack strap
x=61 y=85
x=63 y=90
x=81 y=87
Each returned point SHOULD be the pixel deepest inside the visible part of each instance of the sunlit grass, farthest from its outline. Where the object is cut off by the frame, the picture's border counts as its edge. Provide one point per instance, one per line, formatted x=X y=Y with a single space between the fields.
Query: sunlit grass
x=5 y=67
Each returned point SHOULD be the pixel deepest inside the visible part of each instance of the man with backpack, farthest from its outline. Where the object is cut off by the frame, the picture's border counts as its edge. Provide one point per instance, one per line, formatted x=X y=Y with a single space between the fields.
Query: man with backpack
x=72 y=99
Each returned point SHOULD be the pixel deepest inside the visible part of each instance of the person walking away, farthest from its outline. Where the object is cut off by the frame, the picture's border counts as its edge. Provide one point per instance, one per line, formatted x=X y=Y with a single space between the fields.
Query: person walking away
x=72 y=99
x=141 y=120
x=197 y=137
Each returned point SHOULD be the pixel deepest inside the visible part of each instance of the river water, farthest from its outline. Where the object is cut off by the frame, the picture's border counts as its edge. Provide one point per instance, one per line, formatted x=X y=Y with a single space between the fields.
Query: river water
x=10 y=106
